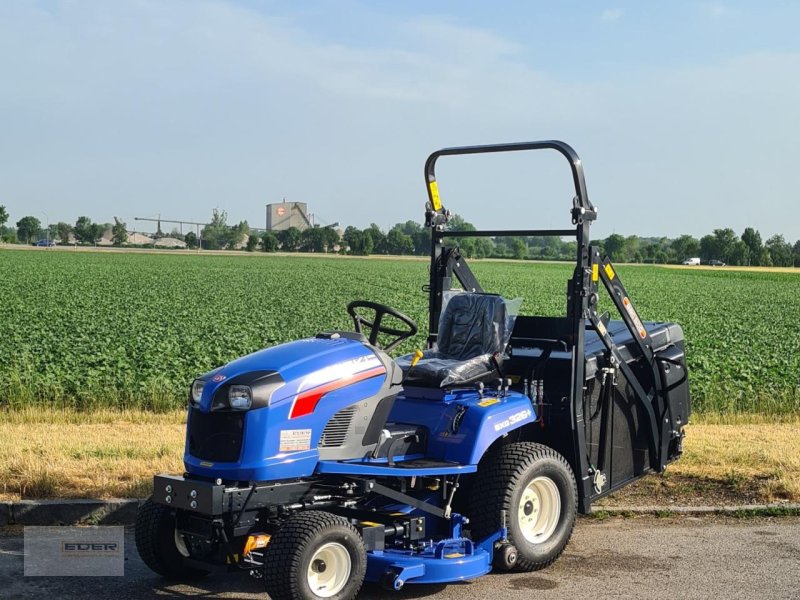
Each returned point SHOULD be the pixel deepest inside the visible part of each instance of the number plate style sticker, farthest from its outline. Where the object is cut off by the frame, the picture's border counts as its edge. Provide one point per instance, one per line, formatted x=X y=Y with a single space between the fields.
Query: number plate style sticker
x=637 y=322
x=293 y=440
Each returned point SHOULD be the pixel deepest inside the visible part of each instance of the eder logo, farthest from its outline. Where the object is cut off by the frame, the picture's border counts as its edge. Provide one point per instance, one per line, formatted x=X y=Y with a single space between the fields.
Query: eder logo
x=85 y=551
x=88 y=548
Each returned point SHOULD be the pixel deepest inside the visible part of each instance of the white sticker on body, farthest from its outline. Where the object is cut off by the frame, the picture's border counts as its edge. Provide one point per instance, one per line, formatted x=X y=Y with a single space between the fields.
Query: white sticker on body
x=293 y=440
x=515 y=418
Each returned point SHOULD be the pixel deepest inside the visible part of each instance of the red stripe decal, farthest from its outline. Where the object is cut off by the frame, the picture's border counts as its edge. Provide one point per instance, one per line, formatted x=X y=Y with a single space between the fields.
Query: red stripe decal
x=307 y=400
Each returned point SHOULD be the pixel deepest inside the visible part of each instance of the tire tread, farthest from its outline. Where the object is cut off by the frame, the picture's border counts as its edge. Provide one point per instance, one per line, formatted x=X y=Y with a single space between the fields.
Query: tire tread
x=493 y=487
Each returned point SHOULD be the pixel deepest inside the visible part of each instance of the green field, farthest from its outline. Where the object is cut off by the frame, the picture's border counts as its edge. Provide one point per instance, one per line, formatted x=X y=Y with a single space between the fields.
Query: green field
x=89 y=329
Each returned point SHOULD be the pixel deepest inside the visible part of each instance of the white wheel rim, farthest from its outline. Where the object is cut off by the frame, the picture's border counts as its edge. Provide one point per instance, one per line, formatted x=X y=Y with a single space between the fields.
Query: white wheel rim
x=539 y=509
x=329 y=570
x=180 y=544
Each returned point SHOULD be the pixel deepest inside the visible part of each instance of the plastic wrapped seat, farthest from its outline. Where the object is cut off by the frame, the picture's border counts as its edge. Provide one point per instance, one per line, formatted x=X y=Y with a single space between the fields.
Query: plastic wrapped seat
x=474 y=330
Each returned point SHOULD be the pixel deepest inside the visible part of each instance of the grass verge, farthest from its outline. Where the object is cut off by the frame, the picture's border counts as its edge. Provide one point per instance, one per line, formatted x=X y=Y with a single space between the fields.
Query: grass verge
x=46 y=453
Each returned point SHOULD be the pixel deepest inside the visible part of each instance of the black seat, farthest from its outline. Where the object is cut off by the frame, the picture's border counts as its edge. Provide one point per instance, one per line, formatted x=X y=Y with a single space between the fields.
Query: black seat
x=470 y=343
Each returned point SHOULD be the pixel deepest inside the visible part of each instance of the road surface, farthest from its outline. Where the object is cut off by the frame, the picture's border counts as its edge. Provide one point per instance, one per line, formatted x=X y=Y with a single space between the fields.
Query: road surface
x=618 y=558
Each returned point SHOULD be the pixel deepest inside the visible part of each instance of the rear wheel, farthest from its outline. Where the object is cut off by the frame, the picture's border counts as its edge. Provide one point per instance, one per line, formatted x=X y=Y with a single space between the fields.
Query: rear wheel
x=315 y=555
x=535 y=487
x=160 y=545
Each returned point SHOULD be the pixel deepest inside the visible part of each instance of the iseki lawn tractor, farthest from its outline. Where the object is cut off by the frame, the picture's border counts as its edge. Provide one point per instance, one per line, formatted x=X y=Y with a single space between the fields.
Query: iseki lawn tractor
x=321 y=463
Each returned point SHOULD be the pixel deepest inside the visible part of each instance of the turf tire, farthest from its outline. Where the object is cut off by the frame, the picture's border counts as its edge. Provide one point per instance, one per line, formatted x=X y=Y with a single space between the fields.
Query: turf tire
x=155 y=541
x=290 y=551
x=499 y=484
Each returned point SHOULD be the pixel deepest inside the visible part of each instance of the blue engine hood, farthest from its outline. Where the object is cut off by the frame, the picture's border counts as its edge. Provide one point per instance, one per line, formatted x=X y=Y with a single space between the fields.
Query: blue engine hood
x=300 y=365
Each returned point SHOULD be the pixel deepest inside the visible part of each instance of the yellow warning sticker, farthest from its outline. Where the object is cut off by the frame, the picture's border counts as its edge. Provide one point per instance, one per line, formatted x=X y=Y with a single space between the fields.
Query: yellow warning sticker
x=435 y=200
x=454 y=555
x=601 y=329
x=595 y=272
x=206 y=464
x=488 y=402
x=609 y=271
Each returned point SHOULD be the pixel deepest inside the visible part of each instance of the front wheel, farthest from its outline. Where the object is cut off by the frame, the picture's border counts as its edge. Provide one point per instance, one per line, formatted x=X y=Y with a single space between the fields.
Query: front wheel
x=160 y=545
x=534 y=487
x=315 y=555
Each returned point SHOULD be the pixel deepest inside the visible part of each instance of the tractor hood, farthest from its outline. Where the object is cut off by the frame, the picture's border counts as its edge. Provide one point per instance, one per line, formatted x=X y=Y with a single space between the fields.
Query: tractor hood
x=282 y=372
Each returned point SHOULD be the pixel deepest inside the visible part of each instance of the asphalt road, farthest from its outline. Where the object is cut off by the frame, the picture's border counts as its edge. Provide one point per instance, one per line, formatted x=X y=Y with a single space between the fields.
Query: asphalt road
x=618 y=558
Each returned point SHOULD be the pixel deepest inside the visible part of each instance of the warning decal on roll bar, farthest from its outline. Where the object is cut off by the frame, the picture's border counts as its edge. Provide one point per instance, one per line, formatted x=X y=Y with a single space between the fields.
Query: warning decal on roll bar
x=637 y=322
x=435 y=200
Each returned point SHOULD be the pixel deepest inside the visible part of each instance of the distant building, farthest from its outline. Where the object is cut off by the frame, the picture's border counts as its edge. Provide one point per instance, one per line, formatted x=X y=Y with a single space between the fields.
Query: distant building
x=283 y=215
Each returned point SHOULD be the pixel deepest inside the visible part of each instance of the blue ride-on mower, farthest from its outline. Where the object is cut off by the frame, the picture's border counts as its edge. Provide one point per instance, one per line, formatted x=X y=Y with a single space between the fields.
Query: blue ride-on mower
x=318 y=464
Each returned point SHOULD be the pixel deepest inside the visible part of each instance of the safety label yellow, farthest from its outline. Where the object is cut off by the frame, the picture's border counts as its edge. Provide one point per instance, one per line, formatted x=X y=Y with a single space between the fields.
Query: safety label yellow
x=435 y=200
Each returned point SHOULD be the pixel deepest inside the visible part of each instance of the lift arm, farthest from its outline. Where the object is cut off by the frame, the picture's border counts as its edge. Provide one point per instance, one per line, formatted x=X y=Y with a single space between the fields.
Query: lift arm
x=649 y=394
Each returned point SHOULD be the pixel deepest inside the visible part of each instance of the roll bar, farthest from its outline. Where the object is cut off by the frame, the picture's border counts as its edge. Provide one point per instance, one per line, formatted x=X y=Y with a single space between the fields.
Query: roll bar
x=582 y=204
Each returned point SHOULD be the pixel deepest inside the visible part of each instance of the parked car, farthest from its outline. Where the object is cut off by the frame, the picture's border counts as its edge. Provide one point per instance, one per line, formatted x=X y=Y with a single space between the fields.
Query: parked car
x=716 y=263
x=692 y=261
x=45 y=243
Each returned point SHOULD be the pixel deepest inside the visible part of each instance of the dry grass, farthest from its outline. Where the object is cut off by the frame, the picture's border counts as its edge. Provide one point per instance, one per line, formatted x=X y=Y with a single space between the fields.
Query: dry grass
x=49 y=453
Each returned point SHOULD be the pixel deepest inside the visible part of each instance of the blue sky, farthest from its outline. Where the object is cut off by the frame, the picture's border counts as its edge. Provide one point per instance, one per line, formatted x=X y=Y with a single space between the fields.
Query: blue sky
x=686 y=114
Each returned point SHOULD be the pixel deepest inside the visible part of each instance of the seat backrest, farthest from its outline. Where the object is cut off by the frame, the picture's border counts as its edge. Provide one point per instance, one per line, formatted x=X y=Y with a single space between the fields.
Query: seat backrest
x=471 y=325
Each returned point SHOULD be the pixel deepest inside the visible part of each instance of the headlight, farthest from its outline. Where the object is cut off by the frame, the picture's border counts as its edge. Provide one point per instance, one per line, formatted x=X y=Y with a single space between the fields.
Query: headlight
x=240 y=397
x=197 y=391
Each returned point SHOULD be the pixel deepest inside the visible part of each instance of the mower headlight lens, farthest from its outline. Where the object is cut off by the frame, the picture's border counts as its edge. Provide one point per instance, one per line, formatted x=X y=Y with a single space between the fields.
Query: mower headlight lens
x=197 y=391
x=240 y=397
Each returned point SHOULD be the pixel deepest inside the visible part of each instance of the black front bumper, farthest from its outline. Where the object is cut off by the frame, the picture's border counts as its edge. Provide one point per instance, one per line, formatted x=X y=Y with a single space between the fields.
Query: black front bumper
x=212 y=499
x=195 y=495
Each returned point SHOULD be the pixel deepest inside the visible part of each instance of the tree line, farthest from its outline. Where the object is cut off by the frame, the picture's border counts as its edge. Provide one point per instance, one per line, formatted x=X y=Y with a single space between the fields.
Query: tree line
x=411 y=238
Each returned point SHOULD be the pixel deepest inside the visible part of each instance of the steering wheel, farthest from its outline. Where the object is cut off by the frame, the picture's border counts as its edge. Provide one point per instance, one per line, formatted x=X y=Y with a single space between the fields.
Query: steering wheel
x=374 y=325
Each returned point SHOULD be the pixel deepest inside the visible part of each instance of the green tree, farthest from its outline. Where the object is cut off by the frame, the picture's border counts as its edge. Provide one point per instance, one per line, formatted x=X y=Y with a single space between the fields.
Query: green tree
x=359 y=242
x=28 y=228
x=484 y=247
x=191 y=239
x=269 y=243
x=708 y=247
x=63 y=231
x=780 y=251
x=350 y=237
x=289 y=239
x=238 y=234
x=755 y=249
x=119 y=232
x=740 y=255
x=615 y=247
x=330 y=238
x=685 y=247
x=796 y=252
x=312 y=240
x=398 y=242
x=3 y=215
x=216 y=235
x=519 y=248
x=87 y=232
x=378 y=238
x=252 y=243
x=725 y=240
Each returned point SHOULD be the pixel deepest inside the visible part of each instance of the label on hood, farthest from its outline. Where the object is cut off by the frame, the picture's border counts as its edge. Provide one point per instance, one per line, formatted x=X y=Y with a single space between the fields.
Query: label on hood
x=293 y=440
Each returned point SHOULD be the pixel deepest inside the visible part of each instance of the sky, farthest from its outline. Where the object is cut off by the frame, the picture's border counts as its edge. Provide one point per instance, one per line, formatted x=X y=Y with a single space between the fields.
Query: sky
x=686 y=114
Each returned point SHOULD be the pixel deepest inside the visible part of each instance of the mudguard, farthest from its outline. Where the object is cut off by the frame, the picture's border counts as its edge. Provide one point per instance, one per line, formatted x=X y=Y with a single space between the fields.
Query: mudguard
x=462 y=424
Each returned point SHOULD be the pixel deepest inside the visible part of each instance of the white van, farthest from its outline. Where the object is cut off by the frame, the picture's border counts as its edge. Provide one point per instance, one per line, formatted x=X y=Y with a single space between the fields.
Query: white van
x=692 y=261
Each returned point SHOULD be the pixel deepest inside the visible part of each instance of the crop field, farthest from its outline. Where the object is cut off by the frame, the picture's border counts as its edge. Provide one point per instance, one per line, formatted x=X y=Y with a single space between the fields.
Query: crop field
x=129 y=330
